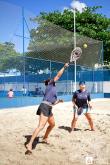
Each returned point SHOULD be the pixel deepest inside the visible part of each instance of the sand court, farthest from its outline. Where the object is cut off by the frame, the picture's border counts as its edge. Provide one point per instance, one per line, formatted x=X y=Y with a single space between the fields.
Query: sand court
x=76 y=148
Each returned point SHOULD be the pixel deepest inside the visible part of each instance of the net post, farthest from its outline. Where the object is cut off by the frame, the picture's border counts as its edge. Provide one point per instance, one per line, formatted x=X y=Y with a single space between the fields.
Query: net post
x=74 y=48
x=50 y=68
x=67 y=82
x=23 y=44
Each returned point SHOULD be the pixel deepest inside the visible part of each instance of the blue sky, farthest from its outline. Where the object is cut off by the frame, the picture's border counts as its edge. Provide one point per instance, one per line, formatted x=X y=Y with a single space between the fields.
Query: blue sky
x=11 y=18
x=36 y=6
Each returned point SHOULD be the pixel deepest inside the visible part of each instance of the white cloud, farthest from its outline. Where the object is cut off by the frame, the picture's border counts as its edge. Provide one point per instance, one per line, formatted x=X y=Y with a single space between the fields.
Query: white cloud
x=78 y=5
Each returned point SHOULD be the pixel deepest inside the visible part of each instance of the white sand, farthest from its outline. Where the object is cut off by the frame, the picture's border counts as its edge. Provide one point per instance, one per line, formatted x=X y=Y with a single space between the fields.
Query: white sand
x=65 y=148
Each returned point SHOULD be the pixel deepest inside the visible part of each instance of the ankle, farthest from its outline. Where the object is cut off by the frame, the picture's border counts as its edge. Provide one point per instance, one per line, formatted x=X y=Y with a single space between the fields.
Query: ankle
x=45 y=138
x=30 y=143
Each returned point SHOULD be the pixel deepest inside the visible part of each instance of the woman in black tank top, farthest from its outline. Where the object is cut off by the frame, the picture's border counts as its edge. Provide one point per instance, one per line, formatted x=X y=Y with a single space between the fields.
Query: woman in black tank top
x=81 y=105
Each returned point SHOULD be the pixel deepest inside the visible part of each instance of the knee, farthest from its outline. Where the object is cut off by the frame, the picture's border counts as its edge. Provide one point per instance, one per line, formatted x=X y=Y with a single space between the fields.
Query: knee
x=89 y=118
x=75 y=119
x=41 y=127
x=52 y=125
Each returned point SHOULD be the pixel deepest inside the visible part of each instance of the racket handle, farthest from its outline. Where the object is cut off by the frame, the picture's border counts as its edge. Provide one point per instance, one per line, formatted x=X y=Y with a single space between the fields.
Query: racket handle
x=69 y=63
x=66 y=65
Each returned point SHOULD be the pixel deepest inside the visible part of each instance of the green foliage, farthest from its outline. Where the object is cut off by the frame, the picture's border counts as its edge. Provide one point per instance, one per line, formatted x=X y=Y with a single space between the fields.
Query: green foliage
x=7 y=49
x=88 y=23
x=8 y=56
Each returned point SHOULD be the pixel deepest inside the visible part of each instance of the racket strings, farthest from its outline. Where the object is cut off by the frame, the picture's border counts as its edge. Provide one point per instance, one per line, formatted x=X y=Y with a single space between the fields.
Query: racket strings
x=76 y=53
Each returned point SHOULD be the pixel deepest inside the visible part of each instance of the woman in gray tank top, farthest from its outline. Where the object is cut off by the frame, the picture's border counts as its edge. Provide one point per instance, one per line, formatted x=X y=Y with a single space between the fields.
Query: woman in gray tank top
x=45 y=110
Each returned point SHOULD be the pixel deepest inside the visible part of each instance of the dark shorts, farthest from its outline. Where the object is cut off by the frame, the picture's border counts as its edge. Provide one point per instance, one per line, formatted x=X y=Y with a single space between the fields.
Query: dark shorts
x=80 y=111
x=45 y=109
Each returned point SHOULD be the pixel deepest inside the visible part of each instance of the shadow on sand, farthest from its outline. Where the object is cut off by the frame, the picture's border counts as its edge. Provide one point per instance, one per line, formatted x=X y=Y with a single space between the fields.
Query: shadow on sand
x=68 y=128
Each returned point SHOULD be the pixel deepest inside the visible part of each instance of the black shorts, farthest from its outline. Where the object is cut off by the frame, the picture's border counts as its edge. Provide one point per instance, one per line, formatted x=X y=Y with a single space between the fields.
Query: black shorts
x=45 y=109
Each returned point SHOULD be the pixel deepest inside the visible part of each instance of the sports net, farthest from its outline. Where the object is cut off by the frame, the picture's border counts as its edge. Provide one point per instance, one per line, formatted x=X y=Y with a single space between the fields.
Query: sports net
x=49 y=41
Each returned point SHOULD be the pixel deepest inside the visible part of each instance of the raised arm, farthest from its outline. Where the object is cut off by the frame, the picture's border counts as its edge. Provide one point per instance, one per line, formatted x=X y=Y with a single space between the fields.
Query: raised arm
x=59 y=74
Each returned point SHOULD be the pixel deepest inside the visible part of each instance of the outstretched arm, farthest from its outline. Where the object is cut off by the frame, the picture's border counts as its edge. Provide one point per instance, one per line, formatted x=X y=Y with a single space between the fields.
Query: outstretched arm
x=59 y=74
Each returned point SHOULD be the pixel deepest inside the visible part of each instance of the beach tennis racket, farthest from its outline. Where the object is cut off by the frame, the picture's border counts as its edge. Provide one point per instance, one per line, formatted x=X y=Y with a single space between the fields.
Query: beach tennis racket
x=78 y=110
x=75 y=54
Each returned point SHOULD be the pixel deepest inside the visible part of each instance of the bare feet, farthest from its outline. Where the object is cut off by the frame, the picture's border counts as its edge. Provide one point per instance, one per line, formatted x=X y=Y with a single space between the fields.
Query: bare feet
x=92 y=129
x=29 y=149
x=71 y=129
x=45 y=141
x=74 y=129
x=28 y=152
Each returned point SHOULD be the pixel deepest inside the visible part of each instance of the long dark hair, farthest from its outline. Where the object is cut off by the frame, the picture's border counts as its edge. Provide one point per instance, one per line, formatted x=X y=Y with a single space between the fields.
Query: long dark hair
x=47 y=82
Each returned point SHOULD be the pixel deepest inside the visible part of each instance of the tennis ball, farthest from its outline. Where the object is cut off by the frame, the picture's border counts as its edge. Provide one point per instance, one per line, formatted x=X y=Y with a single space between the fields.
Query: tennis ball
x=85 y=45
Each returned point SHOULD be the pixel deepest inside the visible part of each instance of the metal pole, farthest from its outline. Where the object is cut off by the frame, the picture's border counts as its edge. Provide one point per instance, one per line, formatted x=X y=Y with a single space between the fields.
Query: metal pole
x=23 y=45
x=74 y=48
x=67 y=83
x=50 y=68
x=102 y=67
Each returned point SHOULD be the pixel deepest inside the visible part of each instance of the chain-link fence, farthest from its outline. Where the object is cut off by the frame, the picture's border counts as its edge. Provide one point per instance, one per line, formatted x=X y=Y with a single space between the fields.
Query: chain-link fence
x=35 y=71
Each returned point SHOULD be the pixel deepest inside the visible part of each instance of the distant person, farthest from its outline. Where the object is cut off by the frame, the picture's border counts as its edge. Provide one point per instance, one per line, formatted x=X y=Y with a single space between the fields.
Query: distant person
x=10 y=93
x=81 y=105
x=45 y=110
x=24 y=90
x=36 y=90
